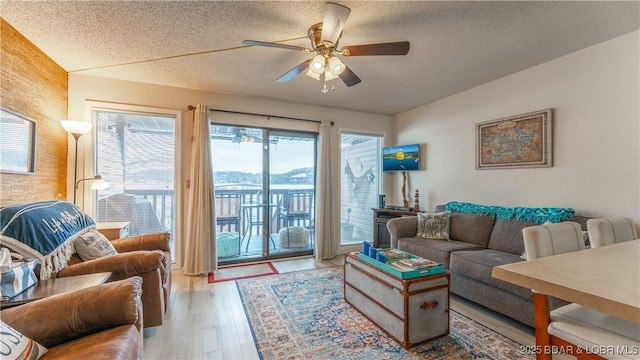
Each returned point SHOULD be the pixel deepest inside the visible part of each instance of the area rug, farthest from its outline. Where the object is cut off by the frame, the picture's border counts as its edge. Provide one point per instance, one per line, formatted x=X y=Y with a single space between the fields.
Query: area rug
x=242 y=272
x=303 y=315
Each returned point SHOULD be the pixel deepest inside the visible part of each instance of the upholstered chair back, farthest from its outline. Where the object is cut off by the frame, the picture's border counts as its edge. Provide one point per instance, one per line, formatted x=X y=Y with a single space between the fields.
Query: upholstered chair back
x=612 y=230
x=552 y=239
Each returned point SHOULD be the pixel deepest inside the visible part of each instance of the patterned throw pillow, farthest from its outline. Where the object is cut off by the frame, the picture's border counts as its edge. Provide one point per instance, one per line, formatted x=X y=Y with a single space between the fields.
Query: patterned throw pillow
x=433 y=225
x=17 y=346
x=92 y=245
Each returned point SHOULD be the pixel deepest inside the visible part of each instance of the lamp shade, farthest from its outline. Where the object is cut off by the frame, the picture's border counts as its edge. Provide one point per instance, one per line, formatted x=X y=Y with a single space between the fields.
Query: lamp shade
x=336 y=66
x=98 y=183
x=312 y=74
x=328 y=75
x=76 y=127
x=317 y=64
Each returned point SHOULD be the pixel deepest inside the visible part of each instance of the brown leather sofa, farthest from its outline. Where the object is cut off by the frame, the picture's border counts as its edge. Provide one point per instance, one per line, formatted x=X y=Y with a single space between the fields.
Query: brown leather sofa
x=100 y=322
x=147 y=256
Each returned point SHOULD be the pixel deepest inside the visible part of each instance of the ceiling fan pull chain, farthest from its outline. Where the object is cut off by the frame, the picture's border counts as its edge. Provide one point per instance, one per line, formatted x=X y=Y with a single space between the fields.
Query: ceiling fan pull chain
x=324 y=87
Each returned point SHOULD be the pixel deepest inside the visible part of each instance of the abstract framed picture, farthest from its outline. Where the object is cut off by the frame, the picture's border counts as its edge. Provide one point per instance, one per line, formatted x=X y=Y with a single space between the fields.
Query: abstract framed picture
x=519 y=141
x=17 y=143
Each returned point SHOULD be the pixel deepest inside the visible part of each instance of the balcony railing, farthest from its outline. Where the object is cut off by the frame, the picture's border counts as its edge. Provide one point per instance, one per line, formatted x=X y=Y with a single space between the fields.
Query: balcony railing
x=162 y=201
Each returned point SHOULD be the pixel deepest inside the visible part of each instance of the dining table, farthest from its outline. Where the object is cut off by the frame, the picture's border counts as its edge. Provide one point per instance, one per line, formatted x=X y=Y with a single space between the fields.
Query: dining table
x=605 y=279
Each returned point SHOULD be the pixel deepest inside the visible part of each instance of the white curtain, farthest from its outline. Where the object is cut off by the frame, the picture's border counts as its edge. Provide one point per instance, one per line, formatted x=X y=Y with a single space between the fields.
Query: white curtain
x=327 y=210
x=199 y=250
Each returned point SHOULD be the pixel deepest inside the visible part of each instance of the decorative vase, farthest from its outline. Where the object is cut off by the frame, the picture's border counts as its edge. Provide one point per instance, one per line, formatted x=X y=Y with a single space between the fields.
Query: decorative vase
x=405 y=201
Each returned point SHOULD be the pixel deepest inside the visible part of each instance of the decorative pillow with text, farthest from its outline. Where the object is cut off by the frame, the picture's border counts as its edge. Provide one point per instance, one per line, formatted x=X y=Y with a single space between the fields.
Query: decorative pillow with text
x=433 y=225
x=92 y=245
x=14 y=345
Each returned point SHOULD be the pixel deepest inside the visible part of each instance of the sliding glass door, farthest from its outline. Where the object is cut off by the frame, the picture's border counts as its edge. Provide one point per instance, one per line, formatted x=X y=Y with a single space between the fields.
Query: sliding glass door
x=264 y=183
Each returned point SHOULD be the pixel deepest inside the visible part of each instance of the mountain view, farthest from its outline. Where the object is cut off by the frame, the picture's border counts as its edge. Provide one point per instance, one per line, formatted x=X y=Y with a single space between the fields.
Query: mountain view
x=300 y=176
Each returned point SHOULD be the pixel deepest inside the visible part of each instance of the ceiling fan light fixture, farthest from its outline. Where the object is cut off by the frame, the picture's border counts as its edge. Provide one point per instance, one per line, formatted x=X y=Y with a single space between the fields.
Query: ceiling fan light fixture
x=329 y=75
x=336 y=66
x=310 y=73
x=317 y=64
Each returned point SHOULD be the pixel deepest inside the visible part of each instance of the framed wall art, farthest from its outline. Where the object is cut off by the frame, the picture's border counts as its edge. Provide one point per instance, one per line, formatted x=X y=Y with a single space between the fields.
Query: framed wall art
x=519 y=141
x=17 y=143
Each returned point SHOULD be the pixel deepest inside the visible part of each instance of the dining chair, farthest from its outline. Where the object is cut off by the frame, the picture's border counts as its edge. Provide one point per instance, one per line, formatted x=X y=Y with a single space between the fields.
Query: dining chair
x=575 y=329
x=611 y=230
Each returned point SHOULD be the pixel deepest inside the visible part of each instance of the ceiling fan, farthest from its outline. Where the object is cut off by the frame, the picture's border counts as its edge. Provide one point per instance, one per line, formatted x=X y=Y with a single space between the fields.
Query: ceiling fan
x=324 y=38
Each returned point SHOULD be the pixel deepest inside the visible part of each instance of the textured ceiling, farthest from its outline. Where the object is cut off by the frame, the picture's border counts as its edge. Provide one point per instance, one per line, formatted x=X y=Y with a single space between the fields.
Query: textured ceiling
x=454 y=45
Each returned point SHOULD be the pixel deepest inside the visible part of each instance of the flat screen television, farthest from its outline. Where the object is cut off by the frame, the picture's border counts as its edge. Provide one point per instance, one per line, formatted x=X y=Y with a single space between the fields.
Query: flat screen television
x=401 y=158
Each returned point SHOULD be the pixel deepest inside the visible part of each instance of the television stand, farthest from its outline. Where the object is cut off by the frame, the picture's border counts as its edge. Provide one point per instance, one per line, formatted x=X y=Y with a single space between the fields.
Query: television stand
x=381 y=236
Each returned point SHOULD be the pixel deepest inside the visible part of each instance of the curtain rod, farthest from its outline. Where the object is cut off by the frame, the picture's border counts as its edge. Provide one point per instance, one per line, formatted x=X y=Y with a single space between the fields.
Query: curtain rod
x=191 y=107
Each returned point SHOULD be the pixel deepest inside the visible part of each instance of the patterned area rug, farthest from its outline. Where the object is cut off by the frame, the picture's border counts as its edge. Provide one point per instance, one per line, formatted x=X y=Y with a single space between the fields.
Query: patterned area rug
x=242 y=272
x=303 y=315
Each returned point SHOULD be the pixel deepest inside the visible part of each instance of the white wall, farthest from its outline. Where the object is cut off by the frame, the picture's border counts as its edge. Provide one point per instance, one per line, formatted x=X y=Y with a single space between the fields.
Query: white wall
x=84 y=89
x=595 y=96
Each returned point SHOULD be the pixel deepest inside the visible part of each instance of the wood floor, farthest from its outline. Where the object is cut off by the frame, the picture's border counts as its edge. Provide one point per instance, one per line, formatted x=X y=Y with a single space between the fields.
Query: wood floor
x=207 y=321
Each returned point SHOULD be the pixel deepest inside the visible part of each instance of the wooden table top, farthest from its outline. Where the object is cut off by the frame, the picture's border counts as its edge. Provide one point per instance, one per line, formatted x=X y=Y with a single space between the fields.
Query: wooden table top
x=46 y=288
x=605 y=278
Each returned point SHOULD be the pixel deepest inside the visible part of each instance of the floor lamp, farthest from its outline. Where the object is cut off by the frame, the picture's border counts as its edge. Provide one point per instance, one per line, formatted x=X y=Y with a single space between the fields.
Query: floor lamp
x=98 y=184
x=77 y=129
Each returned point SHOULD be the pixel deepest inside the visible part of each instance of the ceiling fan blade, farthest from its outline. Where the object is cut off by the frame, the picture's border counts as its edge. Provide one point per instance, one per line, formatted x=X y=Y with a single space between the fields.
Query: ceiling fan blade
x=274 y=45
x=349 y=77
x=392 y=48
x=335 y=16
x=294 y=72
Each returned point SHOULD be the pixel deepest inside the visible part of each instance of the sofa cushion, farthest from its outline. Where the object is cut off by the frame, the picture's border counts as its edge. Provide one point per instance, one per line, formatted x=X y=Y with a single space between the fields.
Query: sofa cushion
x=507 y=236
x=433 y=225
x=479 y=264
x=434 y=249
x=471 y=228
x=467 y=227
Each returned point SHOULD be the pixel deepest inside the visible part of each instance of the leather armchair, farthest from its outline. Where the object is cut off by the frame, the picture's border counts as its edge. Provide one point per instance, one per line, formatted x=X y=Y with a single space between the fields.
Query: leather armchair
x=147 y=256
x=100 y=322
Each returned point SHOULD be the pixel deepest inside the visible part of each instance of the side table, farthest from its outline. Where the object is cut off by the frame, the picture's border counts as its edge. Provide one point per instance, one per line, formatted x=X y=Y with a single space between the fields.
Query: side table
x=46 y=288
x=114 y=230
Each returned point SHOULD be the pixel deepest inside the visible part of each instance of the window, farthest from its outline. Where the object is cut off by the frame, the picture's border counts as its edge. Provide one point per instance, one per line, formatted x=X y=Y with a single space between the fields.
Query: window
x=17 y=143
x=360 y=185
x=135 y=155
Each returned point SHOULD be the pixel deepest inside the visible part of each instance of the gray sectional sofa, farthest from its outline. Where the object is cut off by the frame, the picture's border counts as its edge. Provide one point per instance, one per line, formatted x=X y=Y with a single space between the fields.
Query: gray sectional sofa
x=477 y=244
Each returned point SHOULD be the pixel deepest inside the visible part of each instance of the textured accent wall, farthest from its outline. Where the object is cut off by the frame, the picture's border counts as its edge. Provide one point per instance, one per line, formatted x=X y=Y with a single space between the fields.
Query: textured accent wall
x=35 y=86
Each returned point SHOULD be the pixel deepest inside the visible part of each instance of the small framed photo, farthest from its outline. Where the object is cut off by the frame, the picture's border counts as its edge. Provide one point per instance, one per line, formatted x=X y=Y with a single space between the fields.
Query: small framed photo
x=17 y=143
x=515 y=142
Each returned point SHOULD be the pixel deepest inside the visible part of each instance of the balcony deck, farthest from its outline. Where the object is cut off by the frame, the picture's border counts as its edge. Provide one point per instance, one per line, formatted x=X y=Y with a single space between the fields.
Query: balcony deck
x=250 y=222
